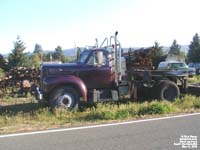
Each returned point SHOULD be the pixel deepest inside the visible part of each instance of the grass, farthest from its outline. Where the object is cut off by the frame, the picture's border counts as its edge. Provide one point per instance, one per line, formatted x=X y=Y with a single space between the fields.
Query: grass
x=21 y=115
x=194 y=79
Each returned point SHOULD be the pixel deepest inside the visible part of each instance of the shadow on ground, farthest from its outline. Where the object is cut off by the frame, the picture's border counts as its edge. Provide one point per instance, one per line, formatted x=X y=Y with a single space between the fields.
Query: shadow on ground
x=23 y=108
x=31 y=107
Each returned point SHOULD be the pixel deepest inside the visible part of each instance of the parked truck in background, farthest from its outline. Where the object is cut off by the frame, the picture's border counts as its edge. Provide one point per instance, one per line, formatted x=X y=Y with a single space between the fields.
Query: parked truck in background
x=105 y=73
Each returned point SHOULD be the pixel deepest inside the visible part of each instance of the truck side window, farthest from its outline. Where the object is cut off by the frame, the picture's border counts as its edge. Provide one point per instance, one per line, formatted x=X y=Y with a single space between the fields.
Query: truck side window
x=92 y=60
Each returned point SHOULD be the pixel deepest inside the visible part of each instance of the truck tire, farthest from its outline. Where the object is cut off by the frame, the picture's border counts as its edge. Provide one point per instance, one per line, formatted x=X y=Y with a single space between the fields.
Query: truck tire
x=167 y=90
x=64 y=97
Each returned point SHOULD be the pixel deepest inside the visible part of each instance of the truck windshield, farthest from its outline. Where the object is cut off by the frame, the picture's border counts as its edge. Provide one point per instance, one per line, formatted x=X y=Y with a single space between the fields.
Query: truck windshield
x=83 y=56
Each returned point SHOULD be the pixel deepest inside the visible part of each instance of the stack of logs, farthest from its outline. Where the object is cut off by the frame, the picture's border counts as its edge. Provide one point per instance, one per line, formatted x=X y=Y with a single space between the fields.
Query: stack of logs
x=139 y=59
x=19 y=81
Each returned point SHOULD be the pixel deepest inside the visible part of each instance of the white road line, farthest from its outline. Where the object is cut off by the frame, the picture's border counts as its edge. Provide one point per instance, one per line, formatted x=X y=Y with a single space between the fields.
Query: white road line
x=97 y=126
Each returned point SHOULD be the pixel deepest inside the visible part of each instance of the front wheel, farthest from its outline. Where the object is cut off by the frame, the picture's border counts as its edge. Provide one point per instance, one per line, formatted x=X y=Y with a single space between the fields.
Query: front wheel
x=167 y=90
x=64 y=97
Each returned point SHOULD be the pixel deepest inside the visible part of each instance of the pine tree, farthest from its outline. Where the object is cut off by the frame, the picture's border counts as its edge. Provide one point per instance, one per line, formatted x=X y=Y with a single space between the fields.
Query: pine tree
x=38 y=52
x=175 y=48
x=157 y=56
x=194 y=49
x=38 y=48
x=58 y=54
x=3 y=64
x=16 y=57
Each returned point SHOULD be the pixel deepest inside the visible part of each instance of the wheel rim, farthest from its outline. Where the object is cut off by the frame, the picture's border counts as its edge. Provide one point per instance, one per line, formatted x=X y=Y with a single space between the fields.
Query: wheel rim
x=169 y=93
x=65 y=101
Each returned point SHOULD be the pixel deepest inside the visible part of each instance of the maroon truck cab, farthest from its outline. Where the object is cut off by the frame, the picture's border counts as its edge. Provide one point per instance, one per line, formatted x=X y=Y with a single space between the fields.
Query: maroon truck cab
x=65 y=84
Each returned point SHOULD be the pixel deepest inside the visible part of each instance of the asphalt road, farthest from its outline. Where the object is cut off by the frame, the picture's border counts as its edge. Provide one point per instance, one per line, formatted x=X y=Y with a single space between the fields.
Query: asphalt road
x=148 y=135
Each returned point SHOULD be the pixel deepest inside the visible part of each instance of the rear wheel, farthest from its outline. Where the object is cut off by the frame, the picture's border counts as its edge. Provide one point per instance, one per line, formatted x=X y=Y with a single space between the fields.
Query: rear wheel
x=64 y=97
x=167 y=90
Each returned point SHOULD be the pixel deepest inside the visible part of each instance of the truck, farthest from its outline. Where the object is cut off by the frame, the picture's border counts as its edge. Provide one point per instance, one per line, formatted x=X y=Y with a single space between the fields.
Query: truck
x=105 y=73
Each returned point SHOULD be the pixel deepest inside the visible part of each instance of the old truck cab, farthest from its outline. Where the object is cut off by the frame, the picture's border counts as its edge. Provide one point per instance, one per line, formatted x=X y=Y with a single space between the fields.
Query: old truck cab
x=91 y=78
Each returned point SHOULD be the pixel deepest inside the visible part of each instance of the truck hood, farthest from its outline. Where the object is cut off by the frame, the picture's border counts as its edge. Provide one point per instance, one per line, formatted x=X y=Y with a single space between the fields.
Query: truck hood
x=66 y=68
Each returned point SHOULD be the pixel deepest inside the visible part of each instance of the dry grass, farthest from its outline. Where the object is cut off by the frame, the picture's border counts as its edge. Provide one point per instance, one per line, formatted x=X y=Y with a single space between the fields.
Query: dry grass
x=22 y=116
x=194 y=79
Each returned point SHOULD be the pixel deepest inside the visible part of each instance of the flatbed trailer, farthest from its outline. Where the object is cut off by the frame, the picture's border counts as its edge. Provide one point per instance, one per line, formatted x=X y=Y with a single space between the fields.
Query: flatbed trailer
x=156 y=84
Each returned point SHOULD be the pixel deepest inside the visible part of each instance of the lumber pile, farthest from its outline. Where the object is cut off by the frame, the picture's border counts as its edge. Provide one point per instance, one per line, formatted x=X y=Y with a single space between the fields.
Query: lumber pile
x=19 y=81
x=139 y=59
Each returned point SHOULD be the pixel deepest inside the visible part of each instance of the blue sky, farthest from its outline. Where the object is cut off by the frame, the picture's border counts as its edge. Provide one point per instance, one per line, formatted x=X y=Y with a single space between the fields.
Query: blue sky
x=72 y=23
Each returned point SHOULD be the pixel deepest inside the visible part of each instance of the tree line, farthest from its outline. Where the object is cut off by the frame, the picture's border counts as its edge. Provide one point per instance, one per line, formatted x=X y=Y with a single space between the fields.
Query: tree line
x=193 y=54
x=18 y=58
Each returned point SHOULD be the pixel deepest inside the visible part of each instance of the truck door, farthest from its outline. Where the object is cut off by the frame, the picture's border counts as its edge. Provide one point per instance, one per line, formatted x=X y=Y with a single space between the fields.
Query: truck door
x=98 y=73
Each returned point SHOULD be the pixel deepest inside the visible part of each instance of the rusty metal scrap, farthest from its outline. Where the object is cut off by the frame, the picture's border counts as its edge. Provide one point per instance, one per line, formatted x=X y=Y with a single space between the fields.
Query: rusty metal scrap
x=139 y=59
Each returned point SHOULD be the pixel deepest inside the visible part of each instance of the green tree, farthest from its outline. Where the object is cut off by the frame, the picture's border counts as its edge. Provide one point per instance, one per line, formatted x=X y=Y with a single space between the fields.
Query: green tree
x=157 y=56
x=58 y=54
x=36 y=60
x=16 y=57
x=3 y=63
x=49 y=56
x=175 y=49
x=31 y=60
x=38 y=48
x=194 y=49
